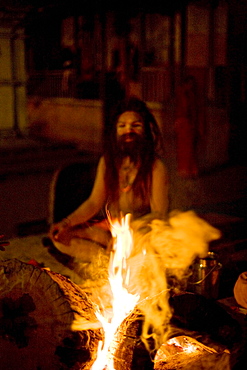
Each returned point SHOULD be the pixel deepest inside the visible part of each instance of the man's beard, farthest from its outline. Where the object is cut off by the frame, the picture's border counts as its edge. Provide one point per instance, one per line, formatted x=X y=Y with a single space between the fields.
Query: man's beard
x=133 y=149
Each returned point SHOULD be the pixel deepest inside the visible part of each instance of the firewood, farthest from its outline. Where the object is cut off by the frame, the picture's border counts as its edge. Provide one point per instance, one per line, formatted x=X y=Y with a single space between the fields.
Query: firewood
x=183 y=352
x=187 y=353
x=37 y=310
x=127 y=348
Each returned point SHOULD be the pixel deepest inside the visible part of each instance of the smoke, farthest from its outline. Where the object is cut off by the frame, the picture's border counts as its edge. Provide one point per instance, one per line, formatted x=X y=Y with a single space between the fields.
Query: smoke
x=158 y=264
x=164 y=250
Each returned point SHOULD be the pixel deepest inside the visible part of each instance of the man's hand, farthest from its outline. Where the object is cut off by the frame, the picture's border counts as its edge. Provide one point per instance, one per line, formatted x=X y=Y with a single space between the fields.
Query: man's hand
x=60 y=232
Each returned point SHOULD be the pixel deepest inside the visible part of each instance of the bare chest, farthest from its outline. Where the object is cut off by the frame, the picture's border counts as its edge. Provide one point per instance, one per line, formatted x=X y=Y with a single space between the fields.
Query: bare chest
x=127 y=175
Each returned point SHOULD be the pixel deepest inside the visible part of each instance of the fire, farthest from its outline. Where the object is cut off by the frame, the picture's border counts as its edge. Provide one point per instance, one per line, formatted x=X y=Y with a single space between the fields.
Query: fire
x=143 y=258
x=181 y=351
x=170 y=248
x=185 y=345
x=123 y=302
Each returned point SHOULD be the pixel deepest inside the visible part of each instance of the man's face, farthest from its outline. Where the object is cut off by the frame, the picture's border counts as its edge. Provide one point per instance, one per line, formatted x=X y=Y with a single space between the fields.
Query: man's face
x=130 y=135
x=129 y=125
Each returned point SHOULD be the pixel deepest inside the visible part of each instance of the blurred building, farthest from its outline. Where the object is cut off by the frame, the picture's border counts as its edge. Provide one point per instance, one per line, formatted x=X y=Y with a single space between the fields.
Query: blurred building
x=12 y=71
x=100 y=51
x=64 y=64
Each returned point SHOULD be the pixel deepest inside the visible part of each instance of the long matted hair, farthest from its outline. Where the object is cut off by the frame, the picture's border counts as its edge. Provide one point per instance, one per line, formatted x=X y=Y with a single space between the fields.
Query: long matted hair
x=152 y=149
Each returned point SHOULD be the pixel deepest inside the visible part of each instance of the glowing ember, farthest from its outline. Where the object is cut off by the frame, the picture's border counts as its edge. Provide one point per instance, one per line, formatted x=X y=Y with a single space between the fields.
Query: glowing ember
x=184 y=352
x=187 y=346
x=123 y=302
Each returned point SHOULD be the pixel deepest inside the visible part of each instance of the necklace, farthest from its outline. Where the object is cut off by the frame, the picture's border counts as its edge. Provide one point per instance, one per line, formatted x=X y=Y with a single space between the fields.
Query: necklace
x=126 y=188
x=127 y=175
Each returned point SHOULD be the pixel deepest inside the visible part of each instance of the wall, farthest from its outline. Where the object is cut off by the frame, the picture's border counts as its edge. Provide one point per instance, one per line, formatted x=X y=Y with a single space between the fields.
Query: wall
x=12 y=79
x=67 y=120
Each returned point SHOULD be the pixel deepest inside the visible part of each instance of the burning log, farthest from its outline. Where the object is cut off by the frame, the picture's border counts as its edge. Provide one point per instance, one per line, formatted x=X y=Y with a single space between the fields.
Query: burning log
x=128 y=352
x=187 y=353
x=127 y=348
x=37 y=310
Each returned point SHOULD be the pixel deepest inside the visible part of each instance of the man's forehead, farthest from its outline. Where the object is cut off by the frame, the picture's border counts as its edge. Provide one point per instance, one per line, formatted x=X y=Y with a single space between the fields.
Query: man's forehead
x=129 y=115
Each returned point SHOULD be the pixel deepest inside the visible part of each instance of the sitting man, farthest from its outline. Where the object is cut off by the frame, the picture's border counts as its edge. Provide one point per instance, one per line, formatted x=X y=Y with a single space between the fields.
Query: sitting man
x=131 y=178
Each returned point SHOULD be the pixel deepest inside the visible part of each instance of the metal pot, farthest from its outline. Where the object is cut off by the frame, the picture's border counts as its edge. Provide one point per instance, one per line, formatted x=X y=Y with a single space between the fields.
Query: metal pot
x=204 y=277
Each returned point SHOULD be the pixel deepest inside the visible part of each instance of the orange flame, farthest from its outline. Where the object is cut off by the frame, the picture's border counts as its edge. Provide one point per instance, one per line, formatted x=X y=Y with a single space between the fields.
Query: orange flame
x=122 y=302
x=139 y=274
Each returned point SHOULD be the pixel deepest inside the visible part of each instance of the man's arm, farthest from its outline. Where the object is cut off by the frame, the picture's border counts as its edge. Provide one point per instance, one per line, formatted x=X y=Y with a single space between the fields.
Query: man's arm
x=159 y=190
x=87 y=209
